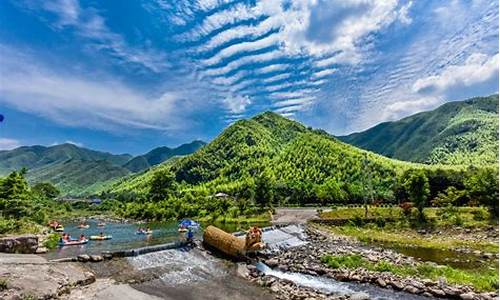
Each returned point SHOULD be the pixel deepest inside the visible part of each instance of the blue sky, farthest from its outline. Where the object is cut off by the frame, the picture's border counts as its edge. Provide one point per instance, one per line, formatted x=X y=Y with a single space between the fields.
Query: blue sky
x=127 y=76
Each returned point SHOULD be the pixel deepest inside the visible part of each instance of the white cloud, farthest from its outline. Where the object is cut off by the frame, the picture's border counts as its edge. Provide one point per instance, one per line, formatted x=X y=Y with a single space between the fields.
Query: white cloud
x=237 y=104
x=9 y=144
x=74 y=143
x=93 y=103
x=89 y=25
x=400 y=109
x=476 y=69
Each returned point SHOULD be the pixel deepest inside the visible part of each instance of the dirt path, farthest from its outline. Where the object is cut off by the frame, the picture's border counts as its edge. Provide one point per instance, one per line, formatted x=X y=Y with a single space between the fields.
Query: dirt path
x=298 y=215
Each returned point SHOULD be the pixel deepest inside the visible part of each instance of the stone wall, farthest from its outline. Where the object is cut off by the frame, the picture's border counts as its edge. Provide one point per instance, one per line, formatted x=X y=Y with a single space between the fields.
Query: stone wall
x=19 y=244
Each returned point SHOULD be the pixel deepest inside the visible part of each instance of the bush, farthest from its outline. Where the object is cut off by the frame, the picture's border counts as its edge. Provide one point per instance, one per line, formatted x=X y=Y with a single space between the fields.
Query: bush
x=7 y=225
x=380 y=221
x=480 y=215
x=52 y=241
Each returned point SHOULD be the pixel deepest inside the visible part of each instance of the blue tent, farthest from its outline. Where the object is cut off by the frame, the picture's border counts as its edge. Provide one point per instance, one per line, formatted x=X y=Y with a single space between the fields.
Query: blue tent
x=187 y=223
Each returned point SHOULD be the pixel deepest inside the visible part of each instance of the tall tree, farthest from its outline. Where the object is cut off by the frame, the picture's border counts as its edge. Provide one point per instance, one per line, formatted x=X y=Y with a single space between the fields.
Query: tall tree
x=483 y=187
x=15 y=195
x=416 y=185
x=162 y=185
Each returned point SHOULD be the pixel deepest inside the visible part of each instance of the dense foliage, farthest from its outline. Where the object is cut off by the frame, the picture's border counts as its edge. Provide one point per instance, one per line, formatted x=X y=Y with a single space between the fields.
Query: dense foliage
x=270 y=160
x=21 y=205
x=462 y=132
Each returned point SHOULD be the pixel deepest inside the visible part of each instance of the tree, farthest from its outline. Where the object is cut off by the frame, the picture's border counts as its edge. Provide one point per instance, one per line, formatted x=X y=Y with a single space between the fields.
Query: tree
x=264 y=193
x=483 y=187
x=330 y=191
x=416 y=185
x=46 y=190
x=15 y=195
x=449 y=197
x=162 y=185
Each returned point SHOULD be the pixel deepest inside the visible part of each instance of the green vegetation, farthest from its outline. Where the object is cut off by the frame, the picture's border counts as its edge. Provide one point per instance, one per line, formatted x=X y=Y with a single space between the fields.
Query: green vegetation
x=52 y=241
x=457 y=133
x=272 y=161
x=481 y=280
x=25 y=209
x=78 y=171
x=401 y=234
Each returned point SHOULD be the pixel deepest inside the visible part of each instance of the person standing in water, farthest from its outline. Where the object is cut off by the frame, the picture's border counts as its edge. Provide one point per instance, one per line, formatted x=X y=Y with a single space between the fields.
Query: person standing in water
x=190 y=236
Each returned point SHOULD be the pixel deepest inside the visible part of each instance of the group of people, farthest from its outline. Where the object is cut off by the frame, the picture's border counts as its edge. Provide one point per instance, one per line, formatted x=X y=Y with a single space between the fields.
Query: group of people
x=144 y=230
x=65 y=237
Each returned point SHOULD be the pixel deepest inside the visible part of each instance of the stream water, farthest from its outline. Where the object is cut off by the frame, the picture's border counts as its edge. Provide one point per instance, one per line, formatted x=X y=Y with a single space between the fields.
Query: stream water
x=331 y=286
x=125 y=237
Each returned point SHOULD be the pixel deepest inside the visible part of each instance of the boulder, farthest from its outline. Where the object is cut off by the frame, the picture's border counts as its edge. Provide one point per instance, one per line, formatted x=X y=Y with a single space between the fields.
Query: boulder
x=25 y=244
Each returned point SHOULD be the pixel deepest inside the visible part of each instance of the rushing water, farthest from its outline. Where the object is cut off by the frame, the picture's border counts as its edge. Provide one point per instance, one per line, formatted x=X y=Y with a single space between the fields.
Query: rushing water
x=331 y=286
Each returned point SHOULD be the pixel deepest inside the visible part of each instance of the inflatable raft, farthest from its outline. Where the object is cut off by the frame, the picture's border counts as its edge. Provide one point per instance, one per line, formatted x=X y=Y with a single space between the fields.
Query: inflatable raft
x=73 y=242
x=100 y=238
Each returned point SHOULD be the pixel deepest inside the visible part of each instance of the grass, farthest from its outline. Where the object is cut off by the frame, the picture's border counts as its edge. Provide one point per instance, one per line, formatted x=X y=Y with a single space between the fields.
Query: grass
x=397 y=234
x=482 y=281
x=468 y=216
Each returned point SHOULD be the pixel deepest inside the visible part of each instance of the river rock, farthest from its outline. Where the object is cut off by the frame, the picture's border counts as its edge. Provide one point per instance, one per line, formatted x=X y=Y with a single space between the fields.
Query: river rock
x=437 y=292
x=359 y=296
x=242 y=270
x=96 y=258
x=272 y=262
x=283 y=268
x=427 y=294
x=41 y=250
x=381 y=282
x=467 y=296
x=25 y=244
x=411 y=289
x=83 y=257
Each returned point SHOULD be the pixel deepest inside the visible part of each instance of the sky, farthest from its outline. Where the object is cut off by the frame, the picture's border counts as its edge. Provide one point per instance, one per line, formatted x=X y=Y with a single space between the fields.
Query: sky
x=128 y=76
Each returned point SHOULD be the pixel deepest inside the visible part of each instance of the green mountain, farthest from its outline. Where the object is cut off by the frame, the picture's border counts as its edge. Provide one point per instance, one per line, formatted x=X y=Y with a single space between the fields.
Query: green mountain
x=73 y=169
x=461 y=132
x=159 y=155
x=78 y=171
x=300 y=165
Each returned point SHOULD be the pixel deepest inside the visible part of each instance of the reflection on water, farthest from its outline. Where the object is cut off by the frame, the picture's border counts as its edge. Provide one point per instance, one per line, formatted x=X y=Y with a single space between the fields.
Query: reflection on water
x=456 y=259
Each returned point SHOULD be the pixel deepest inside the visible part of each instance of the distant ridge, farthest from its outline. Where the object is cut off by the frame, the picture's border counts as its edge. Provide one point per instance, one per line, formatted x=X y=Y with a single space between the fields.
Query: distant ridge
x=459 y=132
x=159 y=155
x=77 y=170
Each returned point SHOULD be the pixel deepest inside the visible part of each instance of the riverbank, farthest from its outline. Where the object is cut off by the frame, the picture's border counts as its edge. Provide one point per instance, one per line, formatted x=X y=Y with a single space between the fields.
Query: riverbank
x=325 y=257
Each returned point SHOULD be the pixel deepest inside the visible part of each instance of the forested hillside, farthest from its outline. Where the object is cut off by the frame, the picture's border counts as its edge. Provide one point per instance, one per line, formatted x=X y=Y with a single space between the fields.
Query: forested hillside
x=461 y=132
x=271 y=160
x=79 y=171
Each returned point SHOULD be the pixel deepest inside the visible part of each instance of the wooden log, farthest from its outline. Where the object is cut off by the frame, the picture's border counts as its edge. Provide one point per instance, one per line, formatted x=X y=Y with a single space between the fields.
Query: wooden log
x=224 y=242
